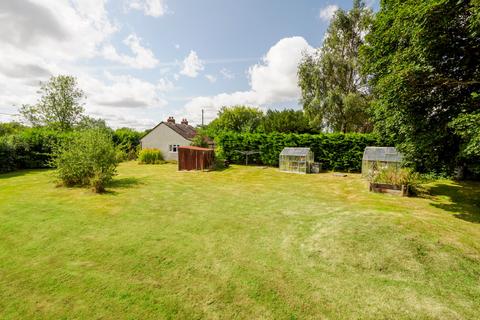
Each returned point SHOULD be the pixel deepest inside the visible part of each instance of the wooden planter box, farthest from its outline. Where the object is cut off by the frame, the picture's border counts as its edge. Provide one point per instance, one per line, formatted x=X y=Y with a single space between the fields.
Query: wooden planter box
x=400 y=190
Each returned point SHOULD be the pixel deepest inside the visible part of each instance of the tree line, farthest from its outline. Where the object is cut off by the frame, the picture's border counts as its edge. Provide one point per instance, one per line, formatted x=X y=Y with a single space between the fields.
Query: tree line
x=409 y=73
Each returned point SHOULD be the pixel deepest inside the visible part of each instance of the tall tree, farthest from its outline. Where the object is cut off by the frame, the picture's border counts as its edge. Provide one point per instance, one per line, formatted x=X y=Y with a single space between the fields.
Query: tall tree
x=334 y=92
x=423 y=58
x=60 y=105
x=236 y=118
x=286 y=121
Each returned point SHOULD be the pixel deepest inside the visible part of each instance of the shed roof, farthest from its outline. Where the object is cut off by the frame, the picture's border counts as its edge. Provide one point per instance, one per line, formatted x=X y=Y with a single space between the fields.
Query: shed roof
x=295 y=151
x=384 y=154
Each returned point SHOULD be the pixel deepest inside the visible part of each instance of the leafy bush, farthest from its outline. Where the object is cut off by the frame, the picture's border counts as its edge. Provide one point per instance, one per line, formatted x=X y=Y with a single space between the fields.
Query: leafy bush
x=150 y=156
x=29 y=148
x=396 y=176
x=200 y=139
x=128 y=140
x=467 y=127
x=7 y=156
x=8 y=128
x=335 y=151
x=88 y=158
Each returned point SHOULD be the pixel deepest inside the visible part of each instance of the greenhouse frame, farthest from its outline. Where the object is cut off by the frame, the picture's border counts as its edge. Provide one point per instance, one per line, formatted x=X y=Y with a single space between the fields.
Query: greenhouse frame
x=296 y=160
x=377 y=158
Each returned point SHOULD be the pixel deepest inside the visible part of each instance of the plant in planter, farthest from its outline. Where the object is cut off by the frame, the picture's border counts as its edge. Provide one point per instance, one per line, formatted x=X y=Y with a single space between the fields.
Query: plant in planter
x=400 y=181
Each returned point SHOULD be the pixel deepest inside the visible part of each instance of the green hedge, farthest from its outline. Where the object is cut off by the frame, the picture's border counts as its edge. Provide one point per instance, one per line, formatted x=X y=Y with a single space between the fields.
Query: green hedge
x=335 y=151
x=29 y=149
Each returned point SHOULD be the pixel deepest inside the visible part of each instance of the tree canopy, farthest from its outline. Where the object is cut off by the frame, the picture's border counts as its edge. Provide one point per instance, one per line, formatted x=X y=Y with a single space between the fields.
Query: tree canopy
x=60 y=105
x=334 y=91
x=285 y=121
x=423 y=59
x=235 y=118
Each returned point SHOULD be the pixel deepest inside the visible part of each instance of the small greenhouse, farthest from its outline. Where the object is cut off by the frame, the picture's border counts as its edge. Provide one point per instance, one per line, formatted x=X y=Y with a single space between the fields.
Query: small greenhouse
x=296 y=160
x=377 y=158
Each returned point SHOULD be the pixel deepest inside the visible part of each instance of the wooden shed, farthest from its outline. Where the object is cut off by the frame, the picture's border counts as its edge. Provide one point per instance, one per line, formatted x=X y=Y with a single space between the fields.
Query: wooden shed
x=195 y=158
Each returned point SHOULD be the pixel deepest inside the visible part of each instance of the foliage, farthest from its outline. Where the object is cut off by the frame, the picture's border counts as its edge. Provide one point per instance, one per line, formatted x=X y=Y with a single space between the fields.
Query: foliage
x=423 y=61
x=336 y=151
x=467 y=127
x=8 y=128
x=284 y=121
x=396 y=176
x=88 y=122
x=236 y=118
x=220 y=162
x=334 y=92
x=28 y=149
x=127 y=140
x=7 y=156
x=88 y=158
x=201 y=139
x=60 y=105
x=150 y=156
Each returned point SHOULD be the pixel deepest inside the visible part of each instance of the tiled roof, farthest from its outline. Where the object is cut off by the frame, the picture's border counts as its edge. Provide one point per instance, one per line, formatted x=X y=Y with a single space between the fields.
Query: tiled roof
x=185 y=130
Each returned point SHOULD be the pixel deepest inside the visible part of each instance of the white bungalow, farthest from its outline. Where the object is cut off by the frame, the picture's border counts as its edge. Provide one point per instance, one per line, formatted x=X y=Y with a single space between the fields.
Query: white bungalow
x=168 y=136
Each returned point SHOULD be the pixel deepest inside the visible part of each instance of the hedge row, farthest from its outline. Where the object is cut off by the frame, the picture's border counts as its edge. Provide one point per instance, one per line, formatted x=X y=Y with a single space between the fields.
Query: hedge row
x=335 y=151
x=31 y=148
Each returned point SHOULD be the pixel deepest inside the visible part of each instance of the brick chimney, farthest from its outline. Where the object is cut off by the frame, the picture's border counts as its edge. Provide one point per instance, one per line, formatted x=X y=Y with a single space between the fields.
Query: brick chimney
x=185 y=121
x=171 y=119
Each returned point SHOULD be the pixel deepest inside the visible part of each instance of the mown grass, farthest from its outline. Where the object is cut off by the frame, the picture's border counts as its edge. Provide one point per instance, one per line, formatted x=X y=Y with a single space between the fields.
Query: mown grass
x=243 y=243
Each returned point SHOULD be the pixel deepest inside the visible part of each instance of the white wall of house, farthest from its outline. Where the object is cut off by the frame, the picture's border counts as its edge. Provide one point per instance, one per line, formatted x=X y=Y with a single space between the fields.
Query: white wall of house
x=161 y=138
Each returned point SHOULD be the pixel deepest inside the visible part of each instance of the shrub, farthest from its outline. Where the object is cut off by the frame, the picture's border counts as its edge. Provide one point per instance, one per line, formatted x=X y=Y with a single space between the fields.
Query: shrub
x=335 y=151
x=7 y=156
x=128 y=140
x=88 y=158
x=200 y=140
x=220 y=163
x=398 y=176
x=150 y=156
x=29 y=148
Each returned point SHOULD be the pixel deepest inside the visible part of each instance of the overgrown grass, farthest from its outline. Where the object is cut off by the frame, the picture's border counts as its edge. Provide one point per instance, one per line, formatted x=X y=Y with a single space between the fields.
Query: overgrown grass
x=243 y=243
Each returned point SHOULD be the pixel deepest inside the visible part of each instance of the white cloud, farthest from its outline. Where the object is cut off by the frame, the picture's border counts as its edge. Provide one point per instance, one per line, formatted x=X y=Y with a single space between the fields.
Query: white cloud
x=272 y=81
x=227 y=74
x=165 y=85
x=192 y=65
x=34 y=27
x=153 y=8
x=40 y=38
x=36 y=43
x=327 y=13
x=211 y=78
x=122 y=91
x=143 y=57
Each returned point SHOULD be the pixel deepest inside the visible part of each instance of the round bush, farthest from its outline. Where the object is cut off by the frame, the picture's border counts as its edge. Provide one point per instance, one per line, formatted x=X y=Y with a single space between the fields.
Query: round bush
x=89 y=158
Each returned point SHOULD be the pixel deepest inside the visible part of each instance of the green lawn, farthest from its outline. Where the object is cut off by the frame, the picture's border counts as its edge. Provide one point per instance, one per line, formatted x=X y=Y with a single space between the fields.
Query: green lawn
x=243 y=243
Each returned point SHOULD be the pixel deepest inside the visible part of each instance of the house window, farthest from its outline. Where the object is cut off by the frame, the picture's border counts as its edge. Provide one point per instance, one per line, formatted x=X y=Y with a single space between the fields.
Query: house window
x=174 y=148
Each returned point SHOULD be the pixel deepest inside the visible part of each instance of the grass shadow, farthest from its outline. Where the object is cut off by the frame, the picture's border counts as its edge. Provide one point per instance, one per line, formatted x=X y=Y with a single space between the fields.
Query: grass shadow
x=121 y=183
x=463 y=199
x=19 y=173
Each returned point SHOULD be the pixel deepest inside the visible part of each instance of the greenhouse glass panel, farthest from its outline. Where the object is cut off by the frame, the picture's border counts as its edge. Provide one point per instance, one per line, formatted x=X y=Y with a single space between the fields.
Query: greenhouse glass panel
x=377 y=158
x=296 y=160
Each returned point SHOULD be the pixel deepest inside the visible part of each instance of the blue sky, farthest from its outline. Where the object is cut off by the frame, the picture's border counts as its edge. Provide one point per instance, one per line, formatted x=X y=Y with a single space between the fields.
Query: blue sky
x=140 y=61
